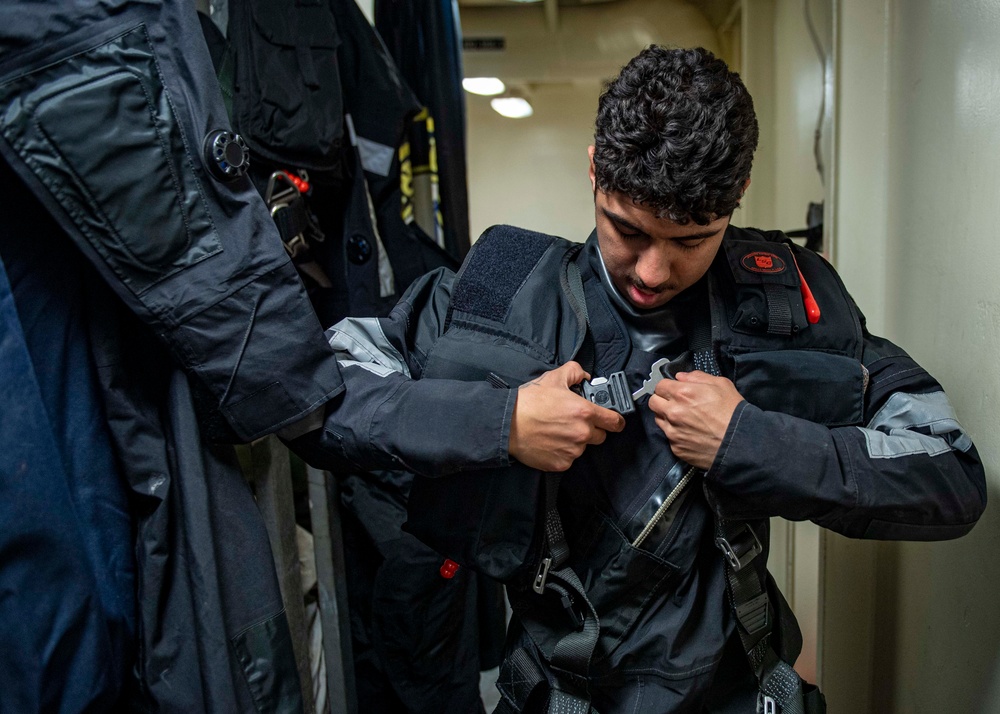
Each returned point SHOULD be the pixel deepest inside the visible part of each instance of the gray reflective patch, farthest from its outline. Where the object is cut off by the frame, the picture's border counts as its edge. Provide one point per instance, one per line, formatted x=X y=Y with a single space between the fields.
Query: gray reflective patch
x=915 y=424
x=360 y=341
x=375 y=157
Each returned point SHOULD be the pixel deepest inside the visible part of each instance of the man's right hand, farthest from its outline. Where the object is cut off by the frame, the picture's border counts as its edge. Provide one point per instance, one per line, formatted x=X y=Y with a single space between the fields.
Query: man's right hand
x=552 y=425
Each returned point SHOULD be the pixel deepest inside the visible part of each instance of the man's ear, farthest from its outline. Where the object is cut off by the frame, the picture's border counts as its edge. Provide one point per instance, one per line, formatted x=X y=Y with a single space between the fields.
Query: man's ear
x=593 y=174
x=746 y=185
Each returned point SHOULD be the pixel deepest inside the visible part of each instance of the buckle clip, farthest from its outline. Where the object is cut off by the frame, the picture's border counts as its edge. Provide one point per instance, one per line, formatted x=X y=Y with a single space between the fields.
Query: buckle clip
x=743 y=551
x=543 y=570
x=770 y=706
x=753 y=615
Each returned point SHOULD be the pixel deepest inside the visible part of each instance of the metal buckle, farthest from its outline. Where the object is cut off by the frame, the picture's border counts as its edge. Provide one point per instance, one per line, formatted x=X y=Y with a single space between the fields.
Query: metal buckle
x=737 y=560
x=275 y=195
x=770 y=706
x=540 y=574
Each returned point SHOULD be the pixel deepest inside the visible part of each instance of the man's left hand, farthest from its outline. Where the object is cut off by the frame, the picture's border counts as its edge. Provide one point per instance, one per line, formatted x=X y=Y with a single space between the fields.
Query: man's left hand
x=694 y=411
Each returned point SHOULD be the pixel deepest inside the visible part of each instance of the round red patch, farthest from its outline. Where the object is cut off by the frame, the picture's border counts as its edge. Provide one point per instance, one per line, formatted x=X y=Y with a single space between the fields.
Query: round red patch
x=759 y=262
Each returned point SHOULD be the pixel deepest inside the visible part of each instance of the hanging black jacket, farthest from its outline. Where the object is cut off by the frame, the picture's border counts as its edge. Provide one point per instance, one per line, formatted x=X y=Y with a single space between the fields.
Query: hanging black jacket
x=106 y=110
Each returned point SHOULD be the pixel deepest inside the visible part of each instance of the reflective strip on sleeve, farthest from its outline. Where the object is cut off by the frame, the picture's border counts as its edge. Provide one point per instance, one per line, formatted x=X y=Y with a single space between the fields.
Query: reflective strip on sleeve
x=360 y=341
x=910 y=424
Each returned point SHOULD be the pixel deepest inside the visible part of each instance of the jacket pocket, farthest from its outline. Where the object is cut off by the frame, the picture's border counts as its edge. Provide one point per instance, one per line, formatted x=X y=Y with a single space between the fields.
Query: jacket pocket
x=824 y=388
x=98 y=129
x=288 y=92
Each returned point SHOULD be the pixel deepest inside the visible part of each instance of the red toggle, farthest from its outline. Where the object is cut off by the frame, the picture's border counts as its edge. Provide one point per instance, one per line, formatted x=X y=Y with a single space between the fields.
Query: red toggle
x=301 y=184
x=808 y=301
x=448 y=569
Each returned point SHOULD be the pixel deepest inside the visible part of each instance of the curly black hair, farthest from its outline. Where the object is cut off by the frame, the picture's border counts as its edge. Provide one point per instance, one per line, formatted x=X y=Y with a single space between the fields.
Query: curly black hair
x=676 y=131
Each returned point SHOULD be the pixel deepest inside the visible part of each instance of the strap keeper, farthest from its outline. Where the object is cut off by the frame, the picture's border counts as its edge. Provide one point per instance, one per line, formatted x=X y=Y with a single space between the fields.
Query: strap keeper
x=779 y=310
x=567 y=602
x=742 y=550
x=754 y=614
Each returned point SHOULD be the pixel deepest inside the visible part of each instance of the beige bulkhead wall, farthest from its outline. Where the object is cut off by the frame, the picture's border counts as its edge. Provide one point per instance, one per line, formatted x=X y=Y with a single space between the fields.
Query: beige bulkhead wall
x=917 y=186
x=532 y=172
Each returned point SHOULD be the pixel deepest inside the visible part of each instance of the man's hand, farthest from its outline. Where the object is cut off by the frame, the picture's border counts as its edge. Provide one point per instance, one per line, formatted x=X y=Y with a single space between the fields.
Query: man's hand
x=694 y=412
x=553 y=425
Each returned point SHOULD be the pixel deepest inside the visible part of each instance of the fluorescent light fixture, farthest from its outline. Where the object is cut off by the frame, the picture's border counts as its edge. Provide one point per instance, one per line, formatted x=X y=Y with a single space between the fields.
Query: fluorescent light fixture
x=486 y=86
x=511 y=107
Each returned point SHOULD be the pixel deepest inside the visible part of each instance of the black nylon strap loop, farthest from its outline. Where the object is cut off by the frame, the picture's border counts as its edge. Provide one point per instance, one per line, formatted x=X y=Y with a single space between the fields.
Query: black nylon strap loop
x=555 y=538
x=779 y=310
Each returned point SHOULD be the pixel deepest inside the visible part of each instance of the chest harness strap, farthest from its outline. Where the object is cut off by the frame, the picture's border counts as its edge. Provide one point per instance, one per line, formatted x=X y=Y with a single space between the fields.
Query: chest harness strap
x=571 y=655
x=780 y=685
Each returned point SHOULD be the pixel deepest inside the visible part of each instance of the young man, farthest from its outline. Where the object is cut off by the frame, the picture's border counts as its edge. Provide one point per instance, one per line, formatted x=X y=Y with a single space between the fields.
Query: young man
x=780 y=404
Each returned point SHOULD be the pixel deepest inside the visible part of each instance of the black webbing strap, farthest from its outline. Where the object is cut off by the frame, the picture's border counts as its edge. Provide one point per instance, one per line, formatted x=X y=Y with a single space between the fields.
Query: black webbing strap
x=291 y=218
x=700 y=344
x=780 y=686
x=587 y=354
x=779 y=310
x=520 y=678
x=572 y=653
x=555 y=538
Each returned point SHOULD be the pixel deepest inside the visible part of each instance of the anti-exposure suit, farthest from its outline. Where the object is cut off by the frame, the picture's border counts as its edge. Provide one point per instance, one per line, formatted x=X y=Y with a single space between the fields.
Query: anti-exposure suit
x=839 y=427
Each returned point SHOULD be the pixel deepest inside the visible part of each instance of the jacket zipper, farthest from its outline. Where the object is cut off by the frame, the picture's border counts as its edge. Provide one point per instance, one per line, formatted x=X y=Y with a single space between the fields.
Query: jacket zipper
x=665 y=506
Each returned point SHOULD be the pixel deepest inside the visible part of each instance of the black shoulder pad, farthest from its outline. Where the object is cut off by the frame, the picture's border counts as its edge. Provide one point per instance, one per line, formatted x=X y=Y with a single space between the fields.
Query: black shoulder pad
x=495 y=269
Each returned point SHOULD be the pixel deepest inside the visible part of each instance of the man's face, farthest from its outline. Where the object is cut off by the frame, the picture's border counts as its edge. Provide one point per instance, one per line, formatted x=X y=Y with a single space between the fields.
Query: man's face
x=651 y=259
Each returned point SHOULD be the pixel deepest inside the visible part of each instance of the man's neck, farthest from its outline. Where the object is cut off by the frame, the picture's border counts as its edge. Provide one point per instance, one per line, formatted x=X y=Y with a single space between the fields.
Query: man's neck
x=662 y=330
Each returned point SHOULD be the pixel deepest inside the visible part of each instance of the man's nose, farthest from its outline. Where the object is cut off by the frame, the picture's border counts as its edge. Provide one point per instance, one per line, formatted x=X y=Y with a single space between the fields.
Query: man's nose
x=653 y=268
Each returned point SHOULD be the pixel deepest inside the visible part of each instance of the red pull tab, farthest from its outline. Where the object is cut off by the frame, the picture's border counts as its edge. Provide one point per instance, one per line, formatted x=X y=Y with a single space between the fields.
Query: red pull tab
x=808 y=301
x=300 y=183
x=448 y=569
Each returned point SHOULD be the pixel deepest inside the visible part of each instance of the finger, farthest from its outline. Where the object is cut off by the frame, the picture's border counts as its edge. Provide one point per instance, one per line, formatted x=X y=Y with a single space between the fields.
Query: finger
x=598 y=437
x=658 y=405
x=571 y=373
x=608 y=419
x=666 y=388
x=696 y=376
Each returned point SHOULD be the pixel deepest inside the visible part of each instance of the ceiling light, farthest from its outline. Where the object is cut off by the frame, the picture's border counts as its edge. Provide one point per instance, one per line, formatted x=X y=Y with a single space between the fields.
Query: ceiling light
x=486 y=86
x=511 y=107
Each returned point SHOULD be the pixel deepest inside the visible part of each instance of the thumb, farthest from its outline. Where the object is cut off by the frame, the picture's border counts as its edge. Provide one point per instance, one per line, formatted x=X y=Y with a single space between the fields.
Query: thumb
x=571 y=373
